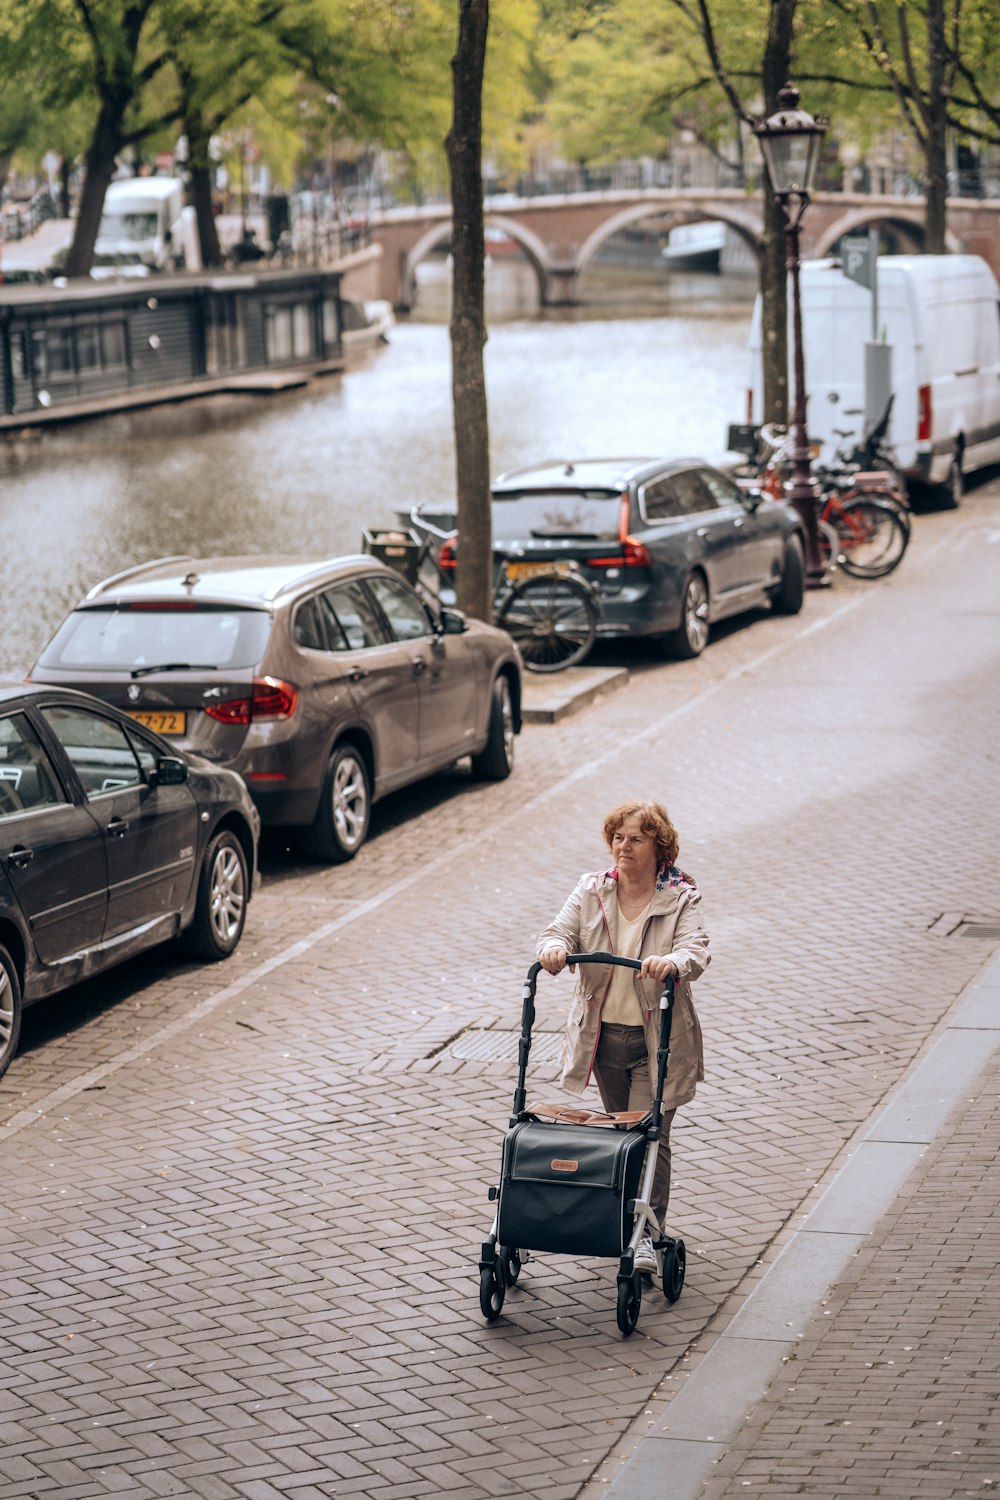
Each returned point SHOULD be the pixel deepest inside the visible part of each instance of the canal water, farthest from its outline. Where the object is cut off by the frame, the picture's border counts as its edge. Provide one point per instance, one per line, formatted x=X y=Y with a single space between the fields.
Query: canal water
x=649 y=365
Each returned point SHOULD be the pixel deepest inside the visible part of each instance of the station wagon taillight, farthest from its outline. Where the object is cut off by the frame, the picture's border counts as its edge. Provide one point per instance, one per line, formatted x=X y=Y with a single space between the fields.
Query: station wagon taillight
x=924 y=414
x=633 y=555
x=270 y=699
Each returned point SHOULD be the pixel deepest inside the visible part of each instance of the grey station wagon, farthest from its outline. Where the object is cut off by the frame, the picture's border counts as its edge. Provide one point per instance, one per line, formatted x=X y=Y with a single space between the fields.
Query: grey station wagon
x=670 y=545
x=325 y=684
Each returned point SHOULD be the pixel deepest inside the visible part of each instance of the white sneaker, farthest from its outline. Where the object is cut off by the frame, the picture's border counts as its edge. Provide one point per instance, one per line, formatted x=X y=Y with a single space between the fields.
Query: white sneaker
x=645 y=1258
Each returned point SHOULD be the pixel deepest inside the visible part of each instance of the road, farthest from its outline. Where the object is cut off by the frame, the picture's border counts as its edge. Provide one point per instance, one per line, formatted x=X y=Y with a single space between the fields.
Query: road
x=244 y=1204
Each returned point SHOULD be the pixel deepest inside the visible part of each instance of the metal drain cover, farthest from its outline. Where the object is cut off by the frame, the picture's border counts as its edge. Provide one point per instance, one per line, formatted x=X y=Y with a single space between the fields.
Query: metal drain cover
x=501 y=1046
x=990 y=930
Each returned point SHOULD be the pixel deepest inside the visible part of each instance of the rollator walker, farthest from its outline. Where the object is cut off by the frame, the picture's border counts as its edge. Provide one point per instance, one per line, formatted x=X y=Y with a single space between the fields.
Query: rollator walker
x=578 y=1181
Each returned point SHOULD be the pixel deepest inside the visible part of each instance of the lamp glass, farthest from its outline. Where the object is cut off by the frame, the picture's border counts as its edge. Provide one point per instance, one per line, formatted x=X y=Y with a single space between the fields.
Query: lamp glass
x=791 y=157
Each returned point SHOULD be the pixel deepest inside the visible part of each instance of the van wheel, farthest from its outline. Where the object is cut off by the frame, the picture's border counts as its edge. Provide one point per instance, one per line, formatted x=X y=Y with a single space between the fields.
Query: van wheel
x=954 y=486
x=10 y=1010
x=341 y=823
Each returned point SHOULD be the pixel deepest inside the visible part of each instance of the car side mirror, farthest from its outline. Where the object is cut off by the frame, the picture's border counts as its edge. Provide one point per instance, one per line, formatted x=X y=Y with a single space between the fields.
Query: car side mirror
x=171 y=771
x=452 y=622
x=751 y=497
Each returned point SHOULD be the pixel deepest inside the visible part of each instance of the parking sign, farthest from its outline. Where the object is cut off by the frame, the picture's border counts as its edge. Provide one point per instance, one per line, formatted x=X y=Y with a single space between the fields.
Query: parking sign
x=857 y=259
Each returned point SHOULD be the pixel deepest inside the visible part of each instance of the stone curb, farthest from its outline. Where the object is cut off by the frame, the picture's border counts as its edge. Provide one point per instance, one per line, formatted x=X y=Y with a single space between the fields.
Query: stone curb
x=548 y=698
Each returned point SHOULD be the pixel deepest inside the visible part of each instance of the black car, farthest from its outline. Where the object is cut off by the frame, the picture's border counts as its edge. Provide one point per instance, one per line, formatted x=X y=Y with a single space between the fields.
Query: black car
x=326 y=683
x=110 y=841
x=670 y=545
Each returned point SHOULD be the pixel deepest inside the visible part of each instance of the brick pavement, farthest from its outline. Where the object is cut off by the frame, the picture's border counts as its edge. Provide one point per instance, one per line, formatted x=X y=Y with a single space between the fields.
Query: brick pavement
x=894 y=1387
x=241 y=1260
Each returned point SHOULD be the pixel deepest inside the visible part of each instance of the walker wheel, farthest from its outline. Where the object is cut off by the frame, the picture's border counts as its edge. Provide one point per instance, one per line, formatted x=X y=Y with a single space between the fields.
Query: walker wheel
x=511 y=1264
x=629 y=1299
x=492 y=1287
x=674 y=1265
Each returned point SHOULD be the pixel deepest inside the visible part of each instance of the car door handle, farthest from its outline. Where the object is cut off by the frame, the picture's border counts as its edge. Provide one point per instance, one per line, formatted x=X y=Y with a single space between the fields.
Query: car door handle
x=118 y=828
x=357 y=674
x=21 y=857
x=740 y=521
x=419 y=665
x=703 y=531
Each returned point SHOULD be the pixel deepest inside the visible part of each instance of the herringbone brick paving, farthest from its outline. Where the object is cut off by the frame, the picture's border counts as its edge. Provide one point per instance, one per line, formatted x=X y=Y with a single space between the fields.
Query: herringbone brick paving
x=895 y=1386
x=244 y=1263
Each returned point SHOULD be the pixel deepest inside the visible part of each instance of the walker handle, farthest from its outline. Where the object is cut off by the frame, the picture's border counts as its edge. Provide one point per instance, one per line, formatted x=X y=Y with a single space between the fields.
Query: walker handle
x=603 y=958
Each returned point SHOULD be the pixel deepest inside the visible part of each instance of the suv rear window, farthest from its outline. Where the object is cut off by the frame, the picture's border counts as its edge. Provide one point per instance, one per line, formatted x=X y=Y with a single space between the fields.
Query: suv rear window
x=123 y=638
x=586 y=514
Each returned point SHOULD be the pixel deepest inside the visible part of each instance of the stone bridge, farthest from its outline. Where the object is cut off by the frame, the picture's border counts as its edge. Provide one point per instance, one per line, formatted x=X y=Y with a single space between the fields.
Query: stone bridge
x=560 y=235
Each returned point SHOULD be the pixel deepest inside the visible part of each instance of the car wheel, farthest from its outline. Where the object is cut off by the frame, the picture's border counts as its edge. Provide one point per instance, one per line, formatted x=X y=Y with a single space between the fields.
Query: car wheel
x=341 y=823
x=221 y=908
x=791 y=589
x=691 y=636
x=496 y=760
x=10 y=1010
x=954 y=486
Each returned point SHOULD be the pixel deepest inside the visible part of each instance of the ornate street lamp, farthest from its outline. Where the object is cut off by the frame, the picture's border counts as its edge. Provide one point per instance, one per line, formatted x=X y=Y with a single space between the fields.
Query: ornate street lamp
x=790 y=141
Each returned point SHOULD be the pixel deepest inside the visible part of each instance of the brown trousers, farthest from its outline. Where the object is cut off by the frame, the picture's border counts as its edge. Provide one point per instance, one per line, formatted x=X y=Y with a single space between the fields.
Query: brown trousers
x=621 y=1069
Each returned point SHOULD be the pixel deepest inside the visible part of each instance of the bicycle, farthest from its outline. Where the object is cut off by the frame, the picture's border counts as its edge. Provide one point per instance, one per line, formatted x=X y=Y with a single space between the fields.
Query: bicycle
x=863 y=519
x=548 y=609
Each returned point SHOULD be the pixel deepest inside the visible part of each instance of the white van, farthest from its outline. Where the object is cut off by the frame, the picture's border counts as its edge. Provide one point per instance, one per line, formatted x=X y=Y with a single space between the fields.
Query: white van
x=940 y=314
x=145 y=223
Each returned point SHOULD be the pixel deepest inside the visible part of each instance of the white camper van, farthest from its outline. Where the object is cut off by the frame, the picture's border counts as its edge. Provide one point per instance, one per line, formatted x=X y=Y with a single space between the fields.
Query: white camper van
x=145 y=223
x=941 y=316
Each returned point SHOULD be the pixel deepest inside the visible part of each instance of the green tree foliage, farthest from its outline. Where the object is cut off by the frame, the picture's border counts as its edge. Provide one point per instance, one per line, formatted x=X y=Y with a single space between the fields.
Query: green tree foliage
x=152 y=68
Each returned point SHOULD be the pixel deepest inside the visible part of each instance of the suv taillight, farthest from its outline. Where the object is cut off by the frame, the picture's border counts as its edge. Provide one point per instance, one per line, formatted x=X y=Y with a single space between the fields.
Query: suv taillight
x=446 y=556
x=270 y=699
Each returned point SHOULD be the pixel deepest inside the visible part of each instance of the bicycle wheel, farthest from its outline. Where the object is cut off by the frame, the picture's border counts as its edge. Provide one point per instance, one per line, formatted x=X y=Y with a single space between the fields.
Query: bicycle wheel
x=829 y=545
x=872 y=537
x=552 y=619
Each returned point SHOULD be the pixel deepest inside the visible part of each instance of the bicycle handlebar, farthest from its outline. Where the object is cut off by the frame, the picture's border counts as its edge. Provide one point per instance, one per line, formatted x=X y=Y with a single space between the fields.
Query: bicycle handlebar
x=419 y=519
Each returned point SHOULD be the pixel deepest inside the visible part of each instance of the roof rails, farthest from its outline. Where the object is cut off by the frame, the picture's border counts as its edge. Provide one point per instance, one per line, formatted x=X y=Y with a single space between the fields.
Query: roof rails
x=119 y=578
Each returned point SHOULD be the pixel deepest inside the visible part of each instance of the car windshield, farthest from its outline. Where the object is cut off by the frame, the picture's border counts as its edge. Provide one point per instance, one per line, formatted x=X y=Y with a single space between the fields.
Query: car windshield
x=594 y=514
x=124 y=639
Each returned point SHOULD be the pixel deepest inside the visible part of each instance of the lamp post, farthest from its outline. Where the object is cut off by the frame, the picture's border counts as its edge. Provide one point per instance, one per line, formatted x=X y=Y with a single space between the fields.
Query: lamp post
x=790 y=140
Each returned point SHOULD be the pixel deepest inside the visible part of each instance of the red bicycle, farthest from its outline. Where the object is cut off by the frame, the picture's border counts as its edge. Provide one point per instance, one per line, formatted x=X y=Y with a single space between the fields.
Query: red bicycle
x=863 y=517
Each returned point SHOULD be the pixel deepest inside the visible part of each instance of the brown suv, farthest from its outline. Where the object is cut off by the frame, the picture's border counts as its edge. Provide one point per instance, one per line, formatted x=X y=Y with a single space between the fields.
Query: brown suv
x=326 y=684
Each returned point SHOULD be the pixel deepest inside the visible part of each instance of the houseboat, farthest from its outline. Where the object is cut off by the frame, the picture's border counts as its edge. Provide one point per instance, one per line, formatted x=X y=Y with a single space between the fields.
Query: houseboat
x=84 y=347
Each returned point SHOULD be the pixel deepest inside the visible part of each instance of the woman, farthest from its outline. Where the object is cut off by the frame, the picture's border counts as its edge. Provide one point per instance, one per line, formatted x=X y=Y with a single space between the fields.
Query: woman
x=644 y=907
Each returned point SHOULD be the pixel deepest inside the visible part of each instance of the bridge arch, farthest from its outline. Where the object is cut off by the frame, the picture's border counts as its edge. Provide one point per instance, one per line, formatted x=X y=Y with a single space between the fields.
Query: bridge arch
x=693 y=211
x=906 y=222
x=534 y=250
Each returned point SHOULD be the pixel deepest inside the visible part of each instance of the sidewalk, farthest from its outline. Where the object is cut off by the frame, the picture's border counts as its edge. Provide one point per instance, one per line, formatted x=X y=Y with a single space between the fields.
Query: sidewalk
x=882 y=1299
x=244 y=1203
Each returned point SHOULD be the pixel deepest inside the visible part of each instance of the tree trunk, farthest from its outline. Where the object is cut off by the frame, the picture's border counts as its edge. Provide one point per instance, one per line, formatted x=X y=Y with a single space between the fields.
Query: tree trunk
x=936 y=142
x=99 y=166
x=65 y=172
x=468 y=318
x=200 y=167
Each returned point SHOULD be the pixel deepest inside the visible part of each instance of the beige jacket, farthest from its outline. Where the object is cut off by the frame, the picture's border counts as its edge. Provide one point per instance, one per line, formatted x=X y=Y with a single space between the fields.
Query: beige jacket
x=588 y=923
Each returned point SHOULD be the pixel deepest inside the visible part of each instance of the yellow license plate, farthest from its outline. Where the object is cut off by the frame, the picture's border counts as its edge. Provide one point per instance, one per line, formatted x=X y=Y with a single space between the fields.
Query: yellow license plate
x=516 y=570
x=161 y=721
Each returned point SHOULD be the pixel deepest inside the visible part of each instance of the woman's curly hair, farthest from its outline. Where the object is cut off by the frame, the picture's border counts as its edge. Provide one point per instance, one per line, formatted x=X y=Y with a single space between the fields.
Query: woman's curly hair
x=655 y=822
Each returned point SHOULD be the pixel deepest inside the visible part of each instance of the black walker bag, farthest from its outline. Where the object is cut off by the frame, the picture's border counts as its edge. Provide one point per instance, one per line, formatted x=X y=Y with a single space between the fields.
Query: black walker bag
x=566 y=1189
